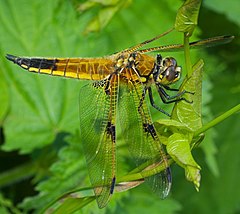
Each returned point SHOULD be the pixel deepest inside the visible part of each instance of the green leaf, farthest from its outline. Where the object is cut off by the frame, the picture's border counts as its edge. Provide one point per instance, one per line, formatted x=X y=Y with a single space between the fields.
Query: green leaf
x=178 y=148
x=210 y=150
x=7 y=207
x=16 y=174
x=209 y=146
x=67 y=173
x=187 y=113
x=41 y=107
x=70 y=205
x=225 y=9
x=167 y=127
x=179 y=138
x=140 y=198
x=187 y=16
x=4 y=98
x=40 y=103
x=103 y=18
x=107 y=9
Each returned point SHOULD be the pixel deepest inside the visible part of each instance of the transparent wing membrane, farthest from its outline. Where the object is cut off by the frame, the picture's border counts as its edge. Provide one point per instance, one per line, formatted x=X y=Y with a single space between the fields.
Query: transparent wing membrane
x=205 y=43
x=140 y=134
x=136 y=47
x=97 y=126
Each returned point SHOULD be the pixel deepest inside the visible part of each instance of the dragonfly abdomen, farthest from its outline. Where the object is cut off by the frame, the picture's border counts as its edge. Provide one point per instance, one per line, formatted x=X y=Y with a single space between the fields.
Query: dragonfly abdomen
x=78 y=68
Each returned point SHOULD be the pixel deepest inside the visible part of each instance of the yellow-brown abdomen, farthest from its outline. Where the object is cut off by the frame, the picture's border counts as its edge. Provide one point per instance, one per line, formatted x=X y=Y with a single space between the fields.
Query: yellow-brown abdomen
x=79 y=68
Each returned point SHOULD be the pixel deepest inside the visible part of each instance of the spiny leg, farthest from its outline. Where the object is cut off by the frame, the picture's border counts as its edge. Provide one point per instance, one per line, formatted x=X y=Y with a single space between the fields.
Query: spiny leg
x=153 y=103
x=176 y=89
x=166 y=98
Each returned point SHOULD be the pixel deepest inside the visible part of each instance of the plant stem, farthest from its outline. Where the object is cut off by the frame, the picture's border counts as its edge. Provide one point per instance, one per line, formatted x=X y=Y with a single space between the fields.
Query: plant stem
x=144 y=173
x=187 y=55
x=17 y=174
x=218 y=120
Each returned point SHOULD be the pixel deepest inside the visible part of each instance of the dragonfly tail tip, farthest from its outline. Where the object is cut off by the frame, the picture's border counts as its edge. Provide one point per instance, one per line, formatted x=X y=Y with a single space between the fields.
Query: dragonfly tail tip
x=11 y=57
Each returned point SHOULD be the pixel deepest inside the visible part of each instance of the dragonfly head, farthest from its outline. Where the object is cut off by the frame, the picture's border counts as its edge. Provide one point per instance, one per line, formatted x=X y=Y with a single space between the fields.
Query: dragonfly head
x=168 y=72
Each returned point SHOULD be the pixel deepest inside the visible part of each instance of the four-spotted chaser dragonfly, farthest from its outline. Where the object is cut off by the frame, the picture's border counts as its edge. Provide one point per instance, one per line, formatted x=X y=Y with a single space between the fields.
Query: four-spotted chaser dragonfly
x=116 y=94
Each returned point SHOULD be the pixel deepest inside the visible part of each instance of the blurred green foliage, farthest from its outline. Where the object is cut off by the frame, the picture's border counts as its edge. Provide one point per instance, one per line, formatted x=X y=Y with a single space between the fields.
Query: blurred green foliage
x=40 y=149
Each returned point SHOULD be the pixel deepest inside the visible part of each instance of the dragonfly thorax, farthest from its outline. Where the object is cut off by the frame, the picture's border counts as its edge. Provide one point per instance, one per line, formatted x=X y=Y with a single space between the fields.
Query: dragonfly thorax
x=167 y=71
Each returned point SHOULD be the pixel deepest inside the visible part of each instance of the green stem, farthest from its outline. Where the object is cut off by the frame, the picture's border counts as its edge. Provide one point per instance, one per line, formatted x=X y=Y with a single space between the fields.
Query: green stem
x=88 y=198
x=17 y=174
x=187 y=55
x=130 y=177
x=217 y=120
x=144 y=173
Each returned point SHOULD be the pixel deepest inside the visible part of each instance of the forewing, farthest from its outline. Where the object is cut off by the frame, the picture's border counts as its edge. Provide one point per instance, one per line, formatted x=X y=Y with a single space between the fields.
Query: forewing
x=140 y=133
x=205 y=43
x=97 y=127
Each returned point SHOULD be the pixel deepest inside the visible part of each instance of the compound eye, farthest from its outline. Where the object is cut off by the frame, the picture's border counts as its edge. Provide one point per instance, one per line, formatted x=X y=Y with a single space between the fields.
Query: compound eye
x=170 y=74
x=164 y=62
x=173 y=62
x=169 y=61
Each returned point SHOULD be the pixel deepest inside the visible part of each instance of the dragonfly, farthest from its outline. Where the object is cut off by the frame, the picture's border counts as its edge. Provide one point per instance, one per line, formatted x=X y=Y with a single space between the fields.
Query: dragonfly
x=114 y=99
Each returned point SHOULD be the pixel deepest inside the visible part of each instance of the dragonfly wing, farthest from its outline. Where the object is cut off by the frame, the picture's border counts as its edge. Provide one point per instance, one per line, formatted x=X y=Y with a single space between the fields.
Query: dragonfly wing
x=141 y=136
x=204 y=43
x=97 y=127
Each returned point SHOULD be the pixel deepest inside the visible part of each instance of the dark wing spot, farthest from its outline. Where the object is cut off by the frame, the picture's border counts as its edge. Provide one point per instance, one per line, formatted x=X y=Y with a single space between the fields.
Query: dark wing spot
x=111 y=131
x=112 y=185
x=149 y=128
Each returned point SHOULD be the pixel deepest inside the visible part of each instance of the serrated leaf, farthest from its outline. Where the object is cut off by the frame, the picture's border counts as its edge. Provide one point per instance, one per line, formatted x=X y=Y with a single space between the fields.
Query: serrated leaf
x=67 y=173
x=187 y=16
x=187 y=113
x=7 y=207
x=178 y=148
x=53 y=116
x=41 y=107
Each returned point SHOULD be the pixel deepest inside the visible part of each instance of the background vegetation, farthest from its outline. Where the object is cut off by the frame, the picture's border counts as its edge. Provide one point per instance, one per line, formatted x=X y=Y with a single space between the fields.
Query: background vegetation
x=41 y=155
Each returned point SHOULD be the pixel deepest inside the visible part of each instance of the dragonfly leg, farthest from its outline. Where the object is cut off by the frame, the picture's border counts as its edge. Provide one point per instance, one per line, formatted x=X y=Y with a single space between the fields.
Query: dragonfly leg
x=171 y=99
x=151 y=100
x=176 y=89
x=153 y=103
